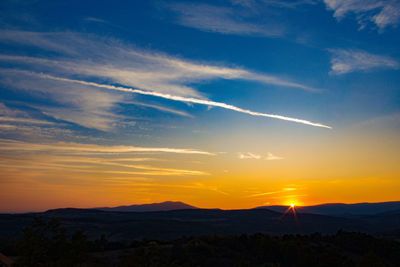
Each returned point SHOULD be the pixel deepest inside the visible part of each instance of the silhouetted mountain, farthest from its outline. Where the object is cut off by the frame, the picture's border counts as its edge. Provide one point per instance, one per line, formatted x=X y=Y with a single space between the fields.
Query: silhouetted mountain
x=163 y=206
x=339 y=209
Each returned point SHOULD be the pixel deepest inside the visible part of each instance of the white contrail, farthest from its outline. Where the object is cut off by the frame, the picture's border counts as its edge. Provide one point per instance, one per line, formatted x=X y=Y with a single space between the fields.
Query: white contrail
x=184 y=99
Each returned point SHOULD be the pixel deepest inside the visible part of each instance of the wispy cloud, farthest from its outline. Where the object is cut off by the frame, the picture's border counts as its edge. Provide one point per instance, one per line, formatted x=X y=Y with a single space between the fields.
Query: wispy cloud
x=114 y=162
x=284 y=190
x=271 y=156
x=104 y=22
x=10 y=145
x=89 y=159
x=15 y=116
x=380 y=12
x=387 y=122
x=93 y=19
x=185 y=99
x=23 y=120
x=149 y=186
x=237 y=17
x=6 y=111
x=92 y=166
x=113 y=61
x=250 y=155
x=108 y=61
x=347 y=60
x=79 y=104
x=161 y=108
x=35 y=129
x=274 y=3
x=225 y=20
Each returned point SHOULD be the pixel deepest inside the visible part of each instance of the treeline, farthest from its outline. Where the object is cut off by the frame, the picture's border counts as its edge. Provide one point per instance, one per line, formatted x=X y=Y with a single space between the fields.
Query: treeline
x=47 y=243
x=341 y=249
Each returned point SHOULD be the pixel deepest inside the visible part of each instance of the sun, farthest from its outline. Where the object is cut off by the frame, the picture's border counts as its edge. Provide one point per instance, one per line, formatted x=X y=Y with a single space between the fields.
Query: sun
x=292 y=205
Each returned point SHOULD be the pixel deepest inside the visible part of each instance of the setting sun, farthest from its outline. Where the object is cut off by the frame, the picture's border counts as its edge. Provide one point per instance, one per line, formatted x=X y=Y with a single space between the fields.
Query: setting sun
x=292 y=205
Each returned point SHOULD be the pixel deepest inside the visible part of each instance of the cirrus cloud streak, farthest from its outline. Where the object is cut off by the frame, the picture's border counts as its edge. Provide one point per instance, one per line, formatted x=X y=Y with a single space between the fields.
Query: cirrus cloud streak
x=187 y=100
x=7 y=145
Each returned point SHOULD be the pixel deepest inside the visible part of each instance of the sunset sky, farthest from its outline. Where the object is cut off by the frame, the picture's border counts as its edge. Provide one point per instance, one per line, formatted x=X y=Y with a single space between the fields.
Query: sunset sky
x=218 y=104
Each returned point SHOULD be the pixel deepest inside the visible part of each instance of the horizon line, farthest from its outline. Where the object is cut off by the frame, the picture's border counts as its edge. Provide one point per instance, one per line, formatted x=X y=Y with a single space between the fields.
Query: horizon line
x=279 y=205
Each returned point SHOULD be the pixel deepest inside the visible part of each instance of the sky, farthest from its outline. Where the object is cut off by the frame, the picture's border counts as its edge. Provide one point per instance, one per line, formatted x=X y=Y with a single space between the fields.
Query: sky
x=219 y=104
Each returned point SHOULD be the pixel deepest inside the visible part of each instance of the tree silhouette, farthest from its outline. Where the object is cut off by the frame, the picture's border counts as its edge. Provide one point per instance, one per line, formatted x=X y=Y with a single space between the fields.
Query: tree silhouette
x=45 y=243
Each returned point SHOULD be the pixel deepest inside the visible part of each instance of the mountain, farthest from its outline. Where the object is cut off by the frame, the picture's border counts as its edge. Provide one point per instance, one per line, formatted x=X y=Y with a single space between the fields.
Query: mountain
x=330 y=209
x=340 y=209
x=163 y=206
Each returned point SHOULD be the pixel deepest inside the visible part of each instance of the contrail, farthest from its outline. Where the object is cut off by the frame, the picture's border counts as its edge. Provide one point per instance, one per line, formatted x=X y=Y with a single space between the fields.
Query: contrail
x=184 y=99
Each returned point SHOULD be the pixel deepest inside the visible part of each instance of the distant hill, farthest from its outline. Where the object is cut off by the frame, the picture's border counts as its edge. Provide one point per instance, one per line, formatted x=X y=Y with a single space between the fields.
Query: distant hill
x=340 y=209
x=163 y=206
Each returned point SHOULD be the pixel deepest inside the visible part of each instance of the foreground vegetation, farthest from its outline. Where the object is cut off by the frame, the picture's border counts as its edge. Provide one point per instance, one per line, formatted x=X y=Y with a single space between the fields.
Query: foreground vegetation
x=47 y=243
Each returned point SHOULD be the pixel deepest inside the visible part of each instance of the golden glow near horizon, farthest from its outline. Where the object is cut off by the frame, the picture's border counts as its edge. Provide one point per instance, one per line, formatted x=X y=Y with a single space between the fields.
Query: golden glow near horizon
x=41 y=176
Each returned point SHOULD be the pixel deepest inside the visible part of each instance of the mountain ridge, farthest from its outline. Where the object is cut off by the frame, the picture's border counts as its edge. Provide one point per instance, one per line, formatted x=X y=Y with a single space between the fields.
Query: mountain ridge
x=342 y=209
x=331 y=209
x=161 y=206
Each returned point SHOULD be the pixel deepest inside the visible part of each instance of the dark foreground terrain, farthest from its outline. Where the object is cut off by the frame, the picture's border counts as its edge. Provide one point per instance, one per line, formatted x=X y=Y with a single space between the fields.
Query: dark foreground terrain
x=120 y=226
x=46 y=243
x=198 y=237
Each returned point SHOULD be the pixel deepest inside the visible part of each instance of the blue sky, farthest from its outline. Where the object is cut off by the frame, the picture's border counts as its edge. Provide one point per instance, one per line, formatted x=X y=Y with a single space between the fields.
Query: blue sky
x=208 y=76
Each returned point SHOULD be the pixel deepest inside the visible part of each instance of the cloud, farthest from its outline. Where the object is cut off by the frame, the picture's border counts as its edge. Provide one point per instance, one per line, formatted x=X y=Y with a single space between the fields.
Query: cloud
x=16 y=116
x=91 y=166
x=93 y=19
x=380 y=12
x=284 y=190
x=271 y=156
x=115 y=162
x=6 y=111
x=225 y=20
x=237 y=17
x=161 y=108
x=113 y=61
x=89 y=159
x=274 y=3
x=80 y=104
x=149 y=186
x=38 y=132
x=346 y=60
x=249 y=155
x=23 y=120
x=10 y=145
x=107 y=162
x=389 y=122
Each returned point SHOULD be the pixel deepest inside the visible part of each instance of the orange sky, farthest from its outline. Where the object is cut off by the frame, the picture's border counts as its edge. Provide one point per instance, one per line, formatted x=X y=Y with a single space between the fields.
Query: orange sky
x=329 y=167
